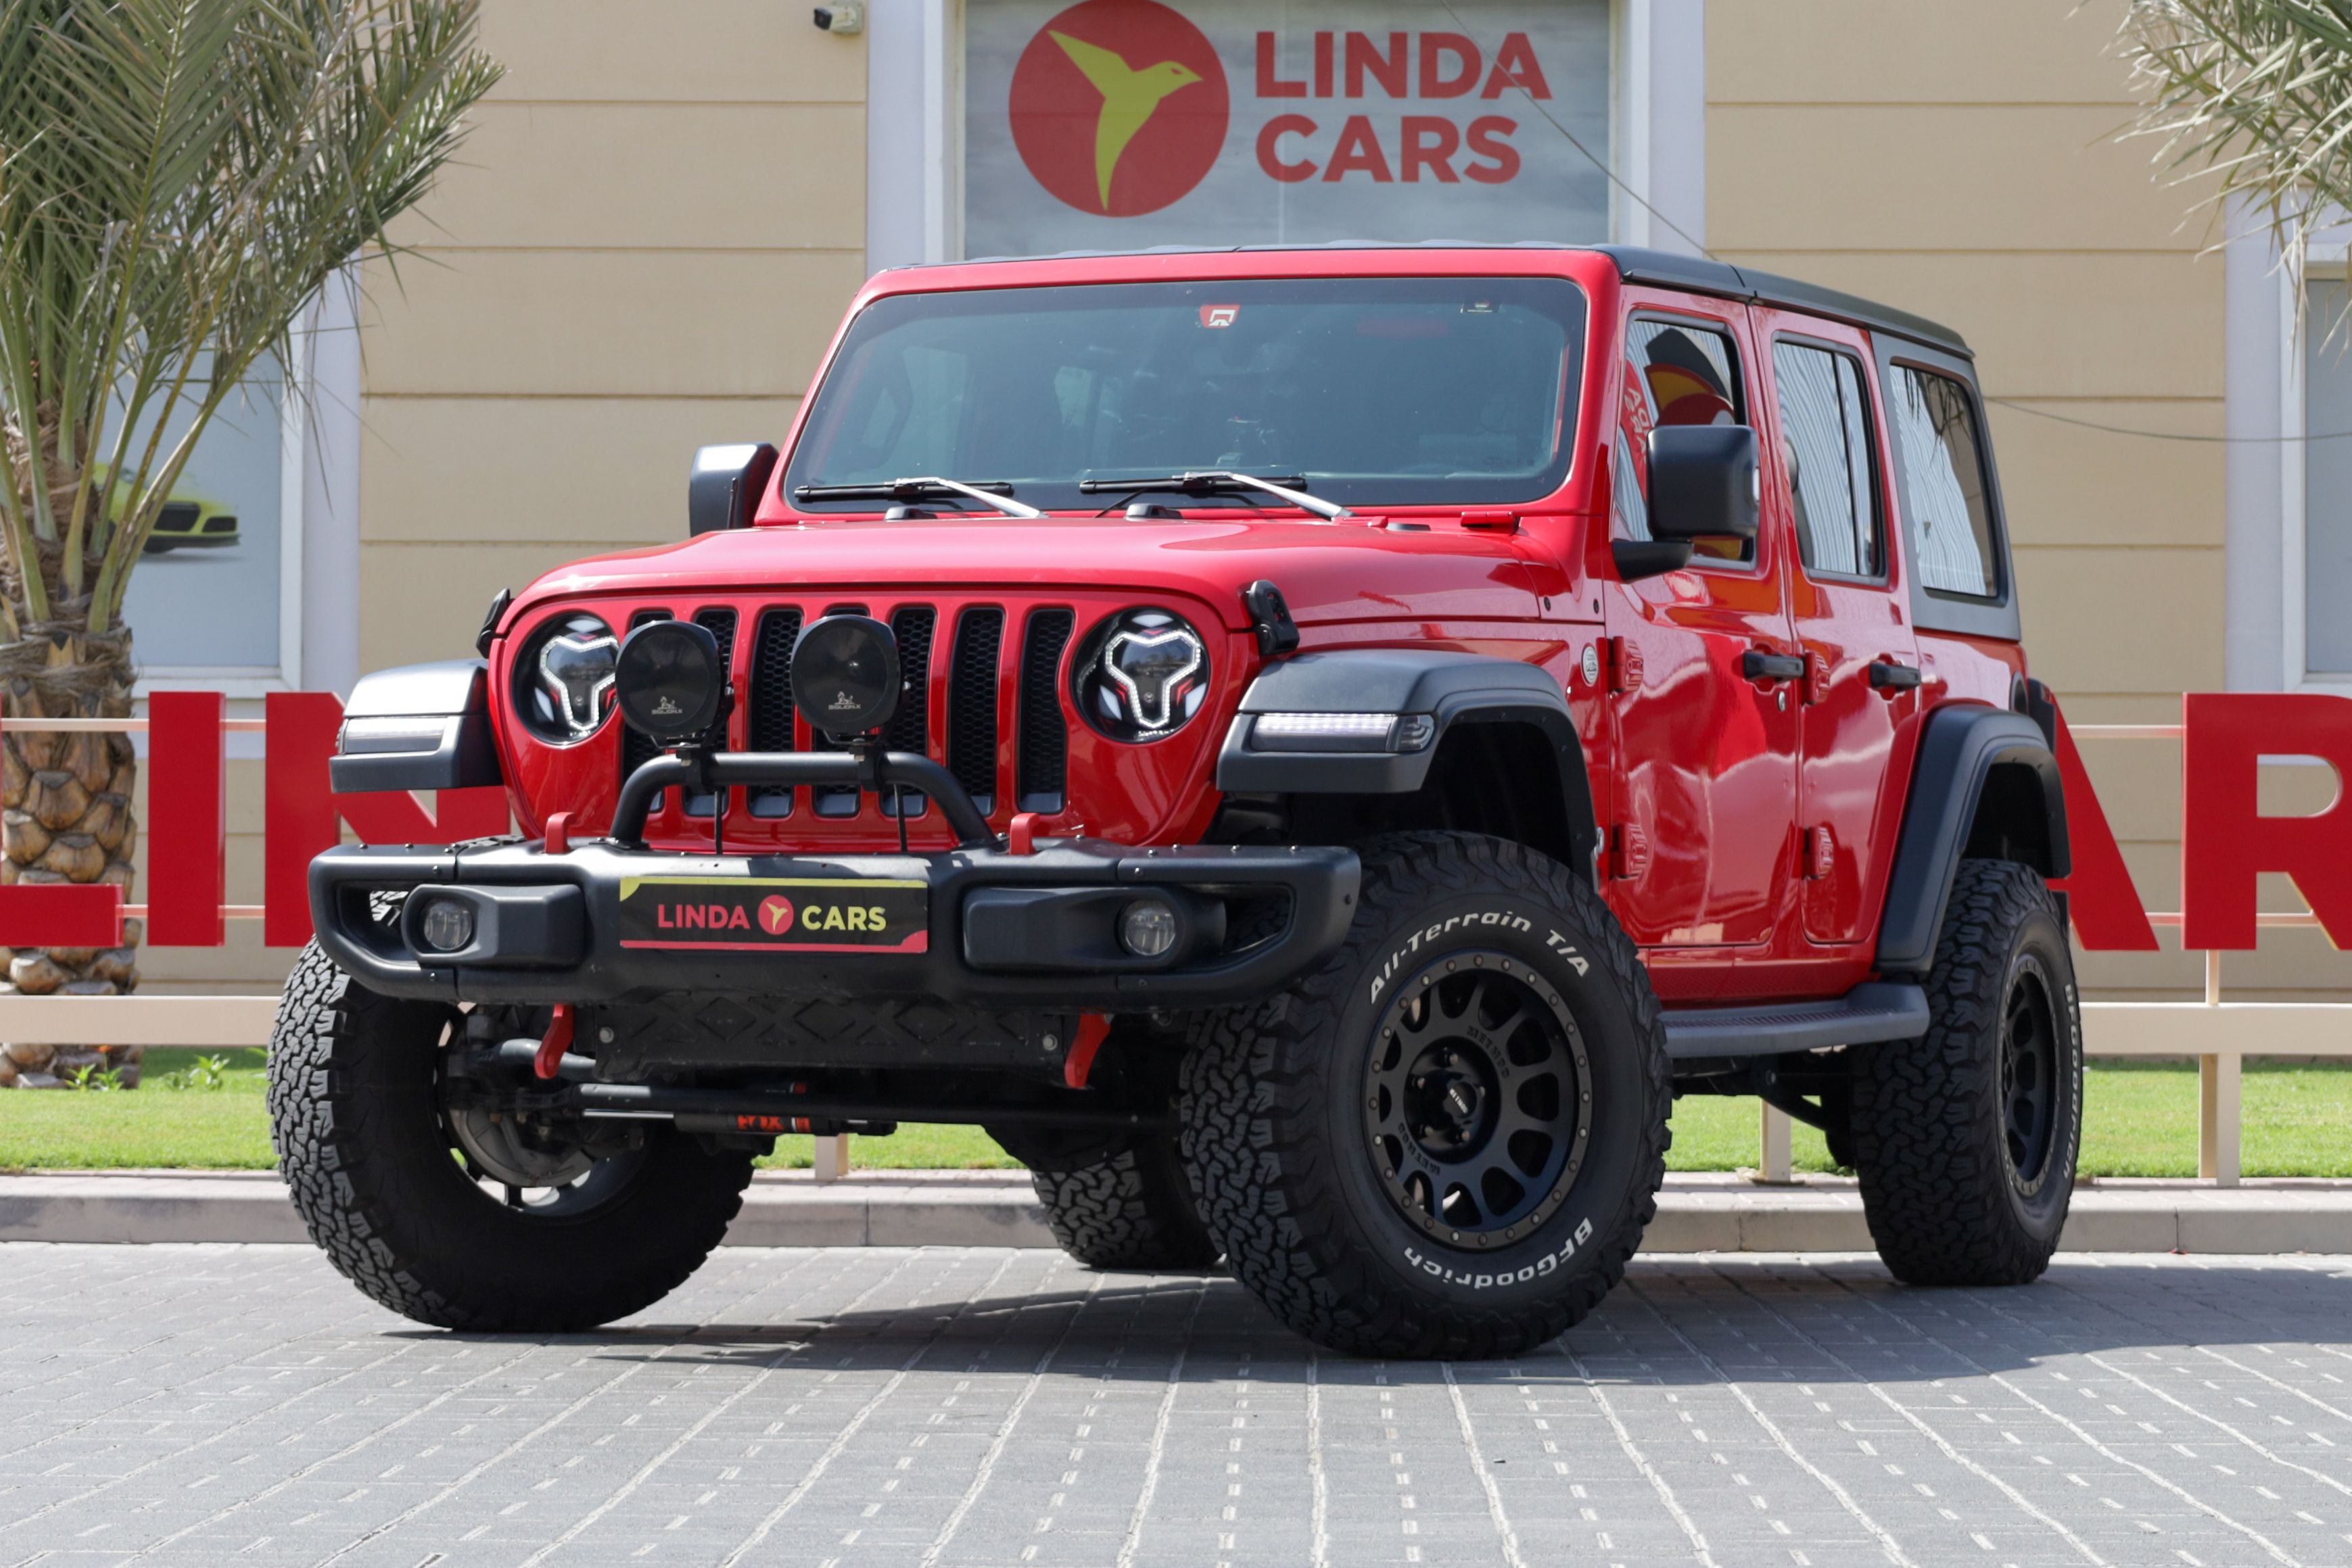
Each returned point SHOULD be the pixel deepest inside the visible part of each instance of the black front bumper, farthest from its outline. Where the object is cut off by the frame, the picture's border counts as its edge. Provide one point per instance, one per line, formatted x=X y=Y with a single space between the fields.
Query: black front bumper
x=976 y=928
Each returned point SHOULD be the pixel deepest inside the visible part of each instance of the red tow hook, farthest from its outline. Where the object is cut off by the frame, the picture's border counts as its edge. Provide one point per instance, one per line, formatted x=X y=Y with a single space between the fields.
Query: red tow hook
x=559 y=1040
x=1093 y=1027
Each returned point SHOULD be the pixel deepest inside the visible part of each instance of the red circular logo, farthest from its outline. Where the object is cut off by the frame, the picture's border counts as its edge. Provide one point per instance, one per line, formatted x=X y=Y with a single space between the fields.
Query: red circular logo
x=1119 y=107
x=775 y=915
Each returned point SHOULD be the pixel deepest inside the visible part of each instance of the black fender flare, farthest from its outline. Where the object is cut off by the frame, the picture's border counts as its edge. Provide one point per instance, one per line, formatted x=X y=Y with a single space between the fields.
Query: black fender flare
x=420 y=726
x=1450 y=689
x=1963 y=743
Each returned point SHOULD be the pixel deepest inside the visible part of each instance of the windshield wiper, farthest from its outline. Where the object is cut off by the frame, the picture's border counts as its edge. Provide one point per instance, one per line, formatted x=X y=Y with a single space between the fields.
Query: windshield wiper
x=996 y=494
x=1221 y=482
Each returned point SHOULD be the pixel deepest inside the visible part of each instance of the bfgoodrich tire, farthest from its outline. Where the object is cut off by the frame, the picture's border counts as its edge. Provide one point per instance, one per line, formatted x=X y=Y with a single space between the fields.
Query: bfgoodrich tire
x=365 y=1143
x=1131 y=1210
x=1966 y=1141
x=1447 y=1141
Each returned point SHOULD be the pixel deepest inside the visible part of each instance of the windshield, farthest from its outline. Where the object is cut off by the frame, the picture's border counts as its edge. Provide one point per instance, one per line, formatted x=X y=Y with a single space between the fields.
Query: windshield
x=1379 y=392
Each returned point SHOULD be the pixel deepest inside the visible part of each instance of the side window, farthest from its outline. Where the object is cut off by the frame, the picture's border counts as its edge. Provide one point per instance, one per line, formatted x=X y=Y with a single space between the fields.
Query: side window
x=1943 y=483
x=1833 y=482
x=1676 y=372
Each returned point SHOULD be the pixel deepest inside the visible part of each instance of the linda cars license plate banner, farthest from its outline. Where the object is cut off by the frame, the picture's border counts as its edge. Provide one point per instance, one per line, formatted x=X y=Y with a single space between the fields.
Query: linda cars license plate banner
x=743 y=914
x=1115 y=124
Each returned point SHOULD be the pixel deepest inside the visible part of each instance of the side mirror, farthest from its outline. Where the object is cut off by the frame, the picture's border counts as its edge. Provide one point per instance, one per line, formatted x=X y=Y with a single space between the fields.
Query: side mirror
x=1703 y=482
x=722 y=488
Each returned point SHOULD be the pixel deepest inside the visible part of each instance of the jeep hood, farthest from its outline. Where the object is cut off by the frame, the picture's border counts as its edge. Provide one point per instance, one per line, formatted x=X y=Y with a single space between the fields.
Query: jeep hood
x=1329 y=572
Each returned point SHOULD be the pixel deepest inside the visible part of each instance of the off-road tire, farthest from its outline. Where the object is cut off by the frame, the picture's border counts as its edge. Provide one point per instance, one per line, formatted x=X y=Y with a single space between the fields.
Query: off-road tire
x=1273 y=1107
x=360 y=1140
x=1131 y=1211
x=1943 y=1193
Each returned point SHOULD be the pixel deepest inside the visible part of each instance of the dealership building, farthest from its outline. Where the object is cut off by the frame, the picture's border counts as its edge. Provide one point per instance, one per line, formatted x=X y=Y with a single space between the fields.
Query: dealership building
x=664 y=209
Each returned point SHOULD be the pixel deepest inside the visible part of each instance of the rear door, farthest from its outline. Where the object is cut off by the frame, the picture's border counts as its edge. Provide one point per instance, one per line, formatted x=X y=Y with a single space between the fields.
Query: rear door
x=1826 y=478
x=1700 y=853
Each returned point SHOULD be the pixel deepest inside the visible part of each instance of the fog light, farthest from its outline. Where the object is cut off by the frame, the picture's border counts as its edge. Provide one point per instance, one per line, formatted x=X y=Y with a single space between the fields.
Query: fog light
x=447 y=925
x=1147 y=928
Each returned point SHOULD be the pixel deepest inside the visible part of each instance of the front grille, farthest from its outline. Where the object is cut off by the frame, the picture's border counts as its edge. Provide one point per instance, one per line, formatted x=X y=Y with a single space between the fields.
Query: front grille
x=972 y=703
x=1044 y=735
x=768 y=719
x=980 y=693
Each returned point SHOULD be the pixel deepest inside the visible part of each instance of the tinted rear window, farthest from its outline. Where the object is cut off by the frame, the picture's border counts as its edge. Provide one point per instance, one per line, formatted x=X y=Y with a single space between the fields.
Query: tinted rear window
x=1944 y=483
x=1379 y=391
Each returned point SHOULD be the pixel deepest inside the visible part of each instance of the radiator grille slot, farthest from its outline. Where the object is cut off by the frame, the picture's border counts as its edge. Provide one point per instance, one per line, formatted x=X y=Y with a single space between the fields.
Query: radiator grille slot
x=768 y=725
x=972 y=703
x=834 y=799
x=909 y=729
x=1044 y=735
x=720 y=622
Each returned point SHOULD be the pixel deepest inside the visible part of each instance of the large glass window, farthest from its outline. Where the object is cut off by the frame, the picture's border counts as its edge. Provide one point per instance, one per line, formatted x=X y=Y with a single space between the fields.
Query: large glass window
x=1944 y=483
x=1825 y=441
x=1377 y=391
x=2326 y=483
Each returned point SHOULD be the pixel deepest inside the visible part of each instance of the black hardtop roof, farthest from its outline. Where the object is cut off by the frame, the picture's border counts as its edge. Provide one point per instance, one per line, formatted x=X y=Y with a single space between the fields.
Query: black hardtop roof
x=1635 y=264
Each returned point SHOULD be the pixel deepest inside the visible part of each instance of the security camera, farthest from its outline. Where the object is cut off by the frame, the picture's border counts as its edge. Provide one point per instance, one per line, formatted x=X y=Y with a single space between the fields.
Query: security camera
x=843 y=19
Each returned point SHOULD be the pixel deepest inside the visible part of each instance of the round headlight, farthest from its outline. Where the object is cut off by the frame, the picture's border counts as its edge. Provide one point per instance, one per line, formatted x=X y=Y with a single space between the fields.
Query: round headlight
x=1141 y=674
x=564 y=681
x=671 y=680
x=845 y=674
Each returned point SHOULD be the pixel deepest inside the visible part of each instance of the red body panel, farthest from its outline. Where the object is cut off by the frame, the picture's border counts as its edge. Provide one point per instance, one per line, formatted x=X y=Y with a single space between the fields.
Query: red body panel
x=1707 y=785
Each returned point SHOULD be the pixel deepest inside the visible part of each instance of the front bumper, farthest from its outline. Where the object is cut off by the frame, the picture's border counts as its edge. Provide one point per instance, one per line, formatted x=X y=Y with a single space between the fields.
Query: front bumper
x=977 y=928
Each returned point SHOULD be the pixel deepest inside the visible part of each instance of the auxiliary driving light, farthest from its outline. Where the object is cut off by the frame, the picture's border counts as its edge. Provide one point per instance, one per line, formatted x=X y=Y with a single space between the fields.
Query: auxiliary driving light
x=845 y=674
x=447 y=924
x=671 y=680
x=1148 y=927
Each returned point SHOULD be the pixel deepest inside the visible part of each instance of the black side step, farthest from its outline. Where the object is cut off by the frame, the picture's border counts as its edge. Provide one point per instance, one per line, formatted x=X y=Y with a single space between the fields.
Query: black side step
x=1862 y=1016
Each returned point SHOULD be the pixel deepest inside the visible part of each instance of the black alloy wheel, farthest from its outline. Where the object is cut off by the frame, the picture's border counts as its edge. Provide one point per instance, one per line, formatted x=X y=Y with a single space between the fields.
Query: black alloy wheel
x=2029 y=1090
x=433 y=1196
x=1446 y=1140
x=1478 y=1100
x=1965 y=1140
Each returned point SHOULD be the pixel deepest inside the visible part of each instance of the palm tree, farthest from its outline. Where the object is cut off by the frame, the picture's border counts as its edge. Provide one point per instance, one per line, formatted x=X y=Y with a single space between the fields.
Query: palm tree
x=178 y=180
x=2258 y=92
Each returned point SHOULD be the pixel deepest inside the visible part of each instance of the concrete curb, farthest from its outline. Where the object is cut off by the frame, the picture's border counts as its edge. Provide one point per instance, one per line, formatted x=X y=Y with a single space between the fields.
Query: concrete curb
x=993 y=1208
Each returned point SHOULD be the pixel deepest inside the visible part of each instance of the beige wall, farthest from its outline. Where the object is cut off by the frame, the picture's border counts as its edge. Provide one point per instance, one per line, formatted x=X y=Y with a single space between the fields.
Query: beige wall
x=1960 y=161
x=657 y=221
x=661 y=217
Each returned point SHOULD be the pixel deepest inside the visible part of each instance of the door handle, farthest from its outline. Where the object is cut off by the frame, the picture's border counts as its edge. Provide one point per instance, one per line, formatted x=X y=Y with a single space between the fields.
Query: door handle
x=1889 y=676
x=1757 y=665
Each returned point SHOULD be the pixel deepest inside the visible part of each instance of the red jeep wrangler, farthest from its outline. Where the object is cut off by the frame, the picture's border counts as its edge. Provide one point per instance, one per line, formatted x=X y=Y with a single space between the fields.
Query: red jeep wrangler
x=1311 y=748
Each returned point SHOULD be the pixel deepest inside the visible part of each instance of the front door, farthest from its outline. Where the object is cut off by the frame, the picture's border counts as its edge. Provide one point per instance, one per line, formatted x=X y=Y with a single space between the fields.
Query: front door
x=1699 y=855
x=1826 y=479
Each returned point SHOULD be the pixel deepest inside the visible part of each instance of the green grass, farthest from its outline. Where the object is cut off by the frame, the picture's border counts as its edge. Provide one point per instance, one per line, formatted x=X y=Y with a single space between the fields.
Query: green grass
x=226 y=1128
x=2141 y=1120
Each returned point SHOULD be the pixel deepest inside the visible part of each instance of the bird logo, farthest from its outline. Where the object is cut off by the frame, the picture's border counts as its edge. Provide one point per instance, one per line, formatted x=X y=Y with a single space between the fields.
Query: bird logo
x=1118 y=107
x=1130 y=98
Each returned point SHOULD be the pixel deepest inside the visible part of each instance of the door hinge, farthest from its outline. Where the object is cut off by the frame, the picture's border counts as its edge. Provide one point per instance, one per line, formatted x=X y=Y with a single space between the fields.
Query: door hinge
x=1625 y=657
x=1629 y=852
x=1820 y=853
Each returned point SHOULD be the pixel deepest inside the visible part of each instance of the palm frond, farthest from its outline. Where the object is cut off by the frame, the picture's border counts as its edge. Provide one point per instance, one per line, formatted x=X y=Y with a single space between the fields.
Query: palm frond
x=2259 y=92
x=178 y=181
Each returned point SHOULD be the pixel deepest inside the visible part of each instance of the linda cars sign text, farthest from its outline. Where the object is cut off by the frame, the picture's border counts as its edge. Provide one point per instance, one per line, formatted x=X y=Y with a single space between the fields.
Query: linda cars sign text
x=1114 y=124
